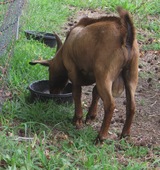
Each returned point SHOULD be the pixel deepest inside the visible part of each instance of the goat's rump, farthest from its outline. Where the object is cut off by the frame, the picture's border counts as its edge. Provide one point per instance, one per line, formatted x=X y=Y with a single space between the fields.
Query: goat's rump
x=124 y=24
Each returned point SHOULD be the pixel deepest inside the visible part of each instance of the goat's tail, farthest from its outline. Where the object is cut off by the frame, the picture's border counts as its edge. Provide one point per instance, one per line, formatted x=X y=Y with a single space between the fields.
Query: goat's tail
x=127 y=21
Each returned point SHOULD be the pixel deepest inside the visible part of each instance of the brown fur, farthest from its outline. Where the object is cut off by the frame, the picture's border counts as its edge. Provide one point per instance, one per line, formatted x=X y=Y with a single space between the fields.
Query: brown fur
x=102 y=51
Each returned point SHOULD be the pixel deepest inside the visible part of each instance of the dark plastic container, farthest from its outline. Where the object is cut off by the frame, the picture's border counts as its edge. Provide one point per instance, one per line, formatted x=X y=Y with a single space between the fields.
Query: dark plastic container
x=47 y=38
x=40 y=90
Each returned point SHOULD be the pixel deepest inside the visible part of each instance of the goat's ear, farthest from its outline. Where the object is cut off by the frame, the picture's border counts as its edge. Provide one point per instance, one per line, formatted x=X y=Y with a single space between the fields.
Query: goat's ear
x=42 y=62
x=59 y=42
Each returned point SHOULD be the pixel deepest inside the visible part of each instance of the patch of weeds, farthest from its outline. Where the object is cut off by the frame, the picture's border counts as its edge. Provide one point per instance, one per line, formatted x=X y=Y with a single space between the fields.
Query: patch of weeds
x=129 y=149
x=142 y=102
x=154 y=46
x=145 y=75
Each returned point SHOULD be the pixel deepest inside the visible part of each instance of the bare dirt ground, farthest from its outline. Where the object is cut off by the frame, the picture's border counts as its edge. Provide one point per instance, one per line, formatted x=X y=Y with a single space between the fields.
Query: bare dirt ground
x=146 y=125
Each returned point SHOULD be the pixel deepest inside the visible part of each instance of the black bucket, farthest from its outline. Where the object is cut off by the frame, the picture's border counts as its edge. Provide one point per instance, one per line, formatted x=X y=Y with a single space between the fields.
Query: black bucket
x=47 y=38
x=40 y=90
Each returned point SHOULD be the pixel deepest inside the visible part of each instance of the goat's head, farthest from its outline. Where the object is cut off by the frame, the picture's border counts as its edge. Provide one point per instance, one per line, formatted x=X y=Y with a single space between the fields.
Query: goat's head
x=57 y=73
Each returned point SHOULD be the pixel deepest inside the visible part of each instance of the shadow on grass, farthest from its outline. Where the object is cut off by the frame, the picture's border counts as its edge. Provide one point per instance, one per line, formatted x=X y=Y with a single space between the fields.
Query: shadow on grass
x=38 y=117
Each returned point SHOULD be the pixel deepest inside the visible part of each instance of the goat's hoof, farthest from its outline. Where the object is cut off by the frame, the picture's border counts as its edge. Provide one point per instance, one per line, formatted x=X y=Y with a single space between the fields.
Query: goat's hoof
x=89 y=119
x=125 y=136
x=79 y=125
x=99 y=140
x=78 y=122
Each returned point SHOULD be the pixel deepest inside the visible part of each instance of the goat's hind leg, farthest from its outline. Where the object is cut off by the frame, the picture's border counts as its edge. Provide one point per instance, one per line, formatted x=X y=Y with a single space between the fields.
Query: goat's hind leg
x=105 y=92
x=130 y=81
x=92 y=113
x=130 y=111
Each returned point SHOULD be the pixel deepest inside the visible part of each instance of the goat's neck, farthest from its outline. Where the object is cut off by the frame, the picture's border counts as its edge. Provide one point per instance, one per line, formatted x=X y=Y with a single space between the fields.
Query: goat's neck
x=58 y=64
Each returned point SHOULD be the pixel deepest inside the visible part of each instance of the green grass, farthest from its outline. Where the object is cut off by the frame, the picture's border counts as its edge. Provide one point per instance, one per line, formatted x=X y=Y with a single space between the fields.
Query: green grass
x=52 y=141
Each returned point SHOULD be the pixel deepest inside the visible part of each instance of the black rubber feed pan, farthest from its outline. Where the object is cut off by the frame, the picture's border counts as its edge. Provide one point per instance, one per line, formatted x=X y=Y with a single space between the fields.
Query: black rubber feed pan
x=47 y=38
x=40 y=90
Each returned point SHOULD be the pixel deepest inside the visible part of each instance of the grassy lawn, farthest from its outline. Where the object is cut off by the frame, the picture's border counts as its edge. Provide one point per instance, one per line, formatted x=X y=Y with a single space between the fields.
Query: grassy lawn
x=40 y=135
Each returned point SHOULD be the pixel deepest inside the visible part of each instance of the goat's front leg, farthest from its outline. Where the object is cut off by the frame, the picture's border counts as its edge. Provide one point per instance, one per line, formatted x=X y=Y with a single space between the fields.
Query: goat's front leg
x=92 y=113
x=77 y=119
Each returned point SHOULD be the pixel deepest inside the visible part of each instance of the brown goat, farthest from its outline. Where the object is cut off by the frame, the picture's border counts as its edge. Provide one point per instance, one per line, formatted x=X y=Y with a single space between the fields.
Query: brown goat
x=102 y=51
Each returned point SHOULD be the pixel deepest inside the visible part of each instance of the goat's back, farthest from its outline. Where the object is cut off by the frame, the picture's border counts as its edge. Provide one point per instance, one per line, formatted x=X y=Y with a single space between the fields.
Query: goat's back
x=98 y=41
